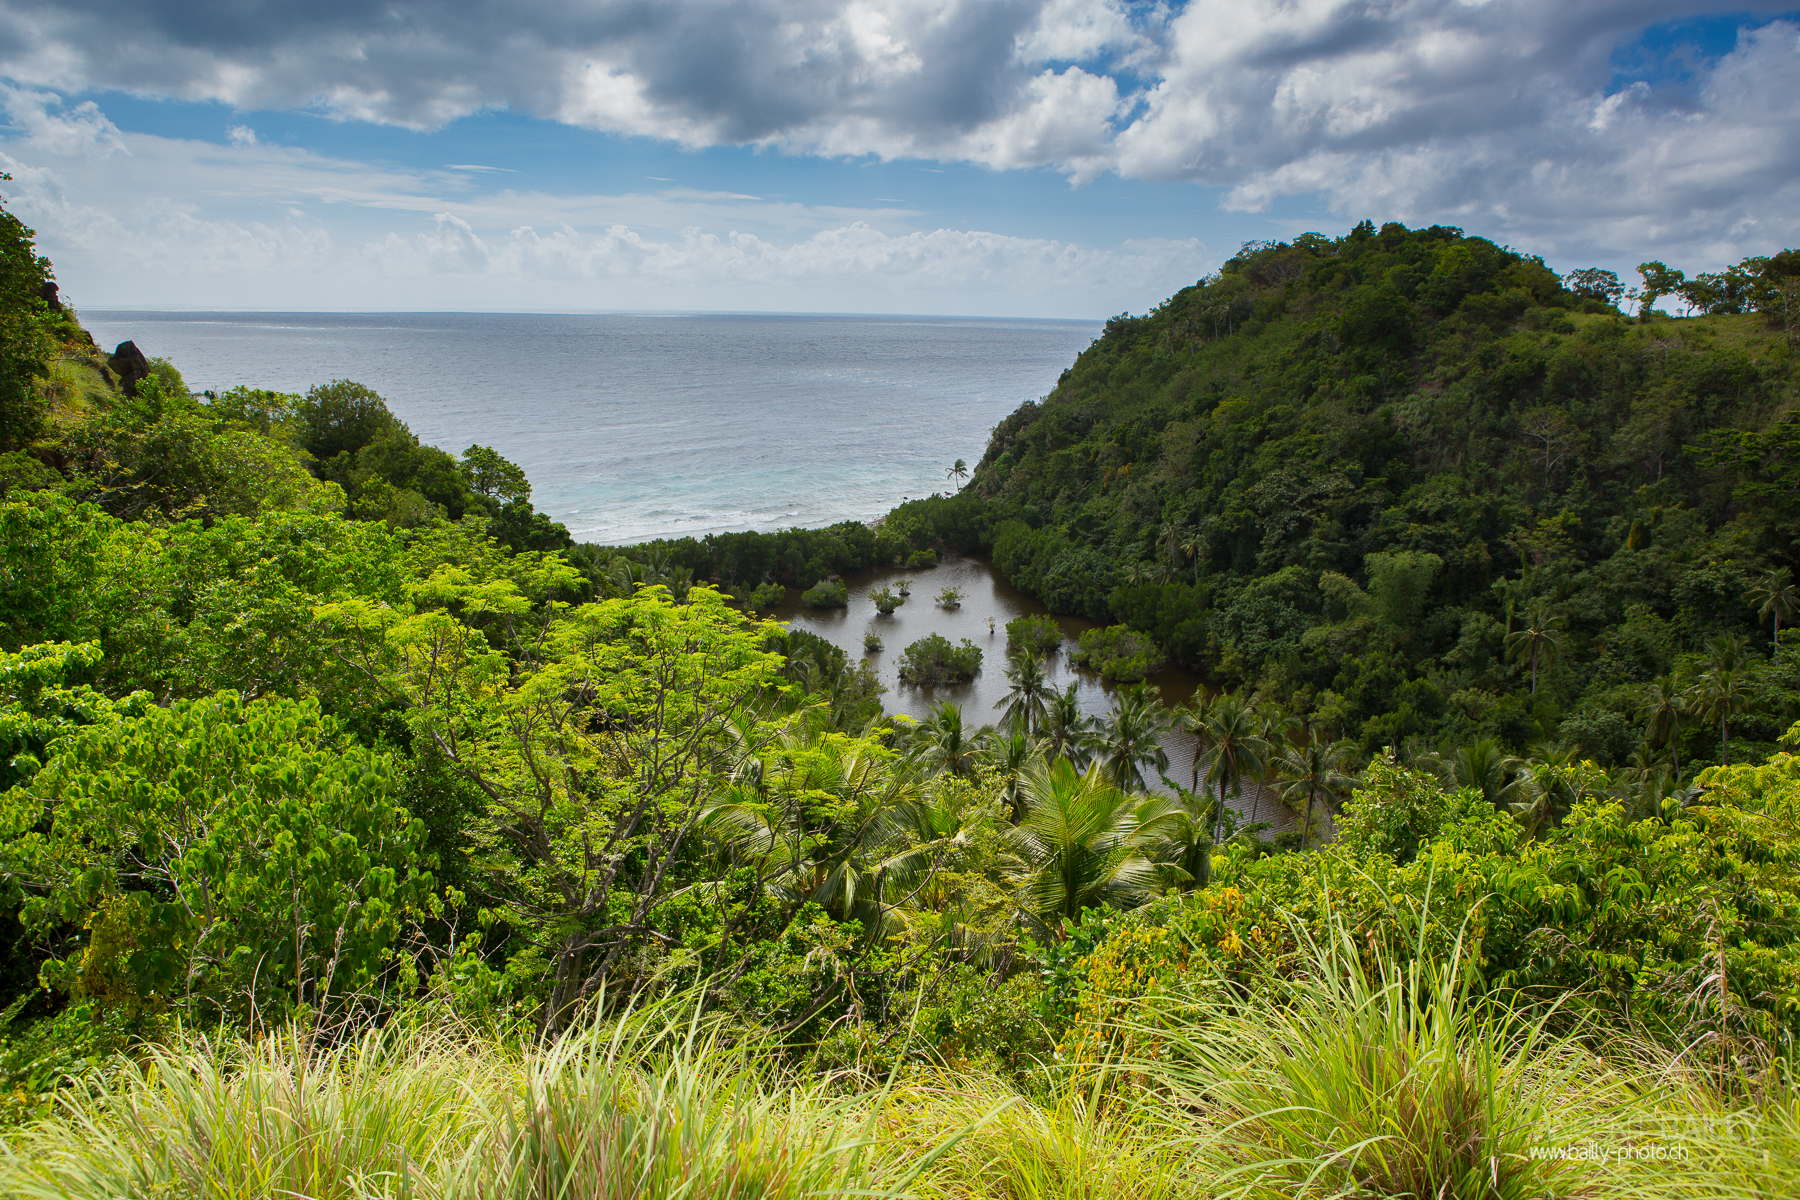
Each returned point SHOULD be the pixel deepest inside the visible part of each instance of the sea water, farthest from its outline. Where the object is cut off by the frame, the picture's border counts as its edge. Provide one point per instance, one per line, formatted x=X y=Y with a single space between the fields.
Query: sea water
x=634 y=426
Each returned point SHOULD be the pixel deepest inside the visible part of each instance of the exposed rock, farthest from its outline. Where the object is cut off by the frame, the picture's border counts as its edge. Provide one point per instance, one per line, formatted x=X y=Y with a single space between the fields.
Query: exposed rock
x=131 y=366
x=48 y=292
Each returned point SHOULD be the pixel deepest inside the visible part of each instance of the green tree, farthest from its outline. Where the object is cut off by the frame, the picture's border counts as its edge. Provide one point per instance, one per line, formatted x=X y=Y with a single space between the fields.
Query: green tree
x=1027 y=688
x=1129 y=739
x=1721 y=691
x=487 y=474
x=1314 y=770
x=1234 y=747
x=594 y=738
x=1085 y=843
x=942 y=743
x=341 y=417
x=1664 y=700
x=958 y=472
x=25 y=342
x=1067 y=732
x=217 y=856
x=1777 y=598
x=1538 y=640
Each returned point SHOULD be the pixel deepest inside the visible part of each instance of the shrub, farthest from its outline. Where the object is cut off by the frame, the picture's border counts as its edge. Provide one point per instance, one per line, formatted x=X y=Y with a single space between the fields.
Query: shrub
x=1036 y=633
x=827 y=593
x=933 y=660
x=766 y=596
x=1120 y=654
x=885 y=601
x=950 y=598
x=921 y=558
x=871 y=641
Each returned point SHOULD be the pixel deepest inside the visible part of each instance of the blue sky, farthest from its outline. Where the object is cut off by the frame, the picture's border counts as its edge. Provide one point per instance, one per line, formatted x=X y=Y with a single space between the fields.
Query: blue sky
x=1006 y=157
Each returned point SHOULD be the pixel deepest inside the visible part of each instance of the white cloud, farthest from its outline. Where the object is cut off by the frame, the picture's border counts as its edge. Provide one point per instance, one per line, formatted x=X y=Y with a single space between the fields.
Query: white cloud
x=1505 y=117
x=169 y=222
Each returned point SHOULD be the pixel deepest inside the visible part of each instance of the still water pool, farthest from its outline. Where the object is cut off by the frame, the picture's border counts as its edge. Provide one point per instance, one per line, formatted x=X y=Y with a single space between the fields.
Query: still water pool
x=988 y=603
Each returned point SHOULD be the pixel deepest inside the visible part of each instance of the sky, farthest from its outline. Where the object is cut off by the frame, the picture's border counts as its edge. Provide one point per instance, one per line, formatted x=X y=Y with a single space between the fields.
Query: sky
x=1028 y=158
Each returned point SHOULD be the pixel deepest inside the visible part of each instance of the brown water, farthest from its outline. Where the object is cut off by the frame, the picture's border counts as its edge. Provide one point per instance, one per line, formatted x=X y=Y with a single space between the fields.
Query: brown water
x=988 y=603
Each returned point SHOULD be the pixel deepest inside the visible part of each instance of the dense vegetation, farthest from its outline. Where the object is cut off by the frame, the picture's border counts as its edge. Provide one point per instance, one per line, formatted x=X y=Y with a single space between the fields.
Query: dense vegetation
x=362 y=836
x=1415 y=486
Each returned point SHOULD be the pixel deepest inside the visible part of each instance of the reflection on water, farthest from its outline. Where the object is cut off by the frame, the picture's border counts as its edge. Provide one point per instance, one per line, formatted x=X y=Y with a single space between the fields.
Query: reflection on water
x=988 y=603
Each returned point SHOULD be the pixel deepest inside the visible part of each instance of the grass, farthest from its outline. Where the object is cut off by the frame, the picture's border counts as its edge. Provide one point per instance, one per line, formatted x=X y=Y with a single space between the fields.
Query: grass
x=1360 y=1077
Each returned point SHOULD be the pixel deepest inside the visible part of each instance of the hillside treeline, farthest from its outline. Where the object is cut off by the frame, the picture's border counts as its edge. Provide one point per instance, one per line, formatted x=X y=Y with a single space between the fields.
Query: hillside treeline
x=1419 y=488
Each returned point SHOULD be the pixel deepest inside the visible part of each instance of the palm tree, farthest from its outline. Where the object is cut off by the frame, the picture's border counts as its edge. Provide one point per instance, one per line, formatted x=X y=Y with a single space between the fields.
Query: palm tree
x=1312 y=770
x=1777 y=597
x=1664 y=702
x=1234 y=749
x=1067 y=732
x=1722 y=692
x=959 y=471
x=942 y=744
x=1170 y=536
x=1482 y=765
x=1540 y=639
x=1130 y=738
x=1024 y=701
x=1007 y=756
x=1196 y=547
x=1193 y=717
x=1085 y=843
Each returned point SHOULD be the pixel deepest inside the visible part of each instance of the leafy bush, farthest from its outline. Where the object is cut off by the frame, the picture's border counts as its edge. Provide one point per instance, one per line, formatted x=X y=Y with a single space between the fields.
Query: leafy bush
x=885 y=601
x=921 y=558
x=765 y=596
x=871 y=641
x=950 y=598
x=1119 y=653
x=827 y=593
x=933 y=660
x=1036 y=633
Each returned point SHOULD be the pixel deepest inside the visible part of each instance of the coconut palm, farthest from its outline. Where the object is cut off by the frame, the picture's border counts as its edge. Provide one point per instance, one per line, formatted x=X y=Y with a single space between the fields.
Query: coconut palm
x=1664 y=702
x=1085 y=843
x=1066 y=731
x=1195 y=545
x=1007 y=756
x=1130 y=737
x=959 y=471
x=1170 y=536
x=1777 y=598
x=1193 y=717
x=942 y=744
x=1539 y=639
x=1314 y=770
x=1484 y=766
x=1235 y=747
x=1722 y=691
x=1024 y=701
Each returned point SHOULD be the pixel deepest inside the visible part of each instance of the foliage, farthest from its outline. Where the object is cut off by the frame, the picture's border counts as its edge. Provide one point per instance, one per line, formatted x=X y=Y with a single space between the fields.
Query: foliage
x=933 y=660
x=827 y=593
x=1119 y=653
x=1345 y=472
x=1035 y=633
x=219 y=854
x=885 y=601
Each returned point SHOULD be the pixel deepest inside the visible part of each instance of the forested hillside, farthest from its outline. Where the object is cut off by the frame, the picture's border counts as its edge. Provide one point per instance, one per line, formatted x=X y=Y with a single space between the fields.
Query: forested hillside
x=361 y=837
x=1415 y=486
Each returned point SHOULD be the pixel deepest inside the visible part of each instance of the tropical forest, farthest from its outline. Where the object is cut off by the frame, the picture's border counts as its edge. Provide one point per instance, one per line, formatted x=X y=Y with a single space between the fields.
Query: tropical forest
x=363 y=835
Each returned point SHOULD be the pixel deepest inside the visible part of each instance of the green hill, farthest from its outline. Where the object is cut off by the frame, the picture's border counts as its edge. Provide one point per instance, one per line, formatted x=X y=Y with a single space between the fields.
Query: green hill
x=1350 y=472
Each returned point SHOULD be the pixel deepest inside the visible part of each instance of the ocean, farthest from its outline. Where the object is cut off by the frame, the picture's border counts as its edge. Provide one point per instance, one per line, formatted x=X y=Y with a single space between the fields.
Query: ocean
x=634 y=426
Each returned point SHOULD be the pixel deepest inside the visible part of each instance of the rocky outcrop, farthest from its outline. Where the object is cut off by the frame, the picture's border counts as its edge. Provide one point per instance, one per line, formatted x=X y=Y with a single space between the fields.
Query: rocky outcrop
x=130 y=365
